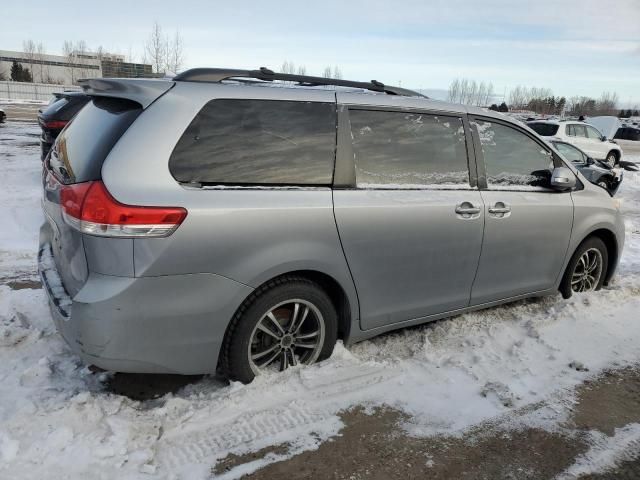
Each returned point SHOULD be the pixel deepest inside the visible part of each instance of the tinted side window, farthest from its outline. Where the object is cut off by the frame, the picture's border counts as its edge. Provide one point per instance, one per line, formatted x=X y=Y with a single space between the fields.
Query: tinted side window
x=576 y=131
x=512 y=158
x=408 y=150
x=268 y=142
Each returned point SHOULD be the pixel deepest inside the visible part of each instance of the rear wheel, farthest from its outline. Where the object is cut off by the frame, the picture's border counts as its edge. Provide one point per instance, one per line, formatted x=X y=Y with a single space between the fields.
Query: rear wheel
x=289 y=321
x=587 y=268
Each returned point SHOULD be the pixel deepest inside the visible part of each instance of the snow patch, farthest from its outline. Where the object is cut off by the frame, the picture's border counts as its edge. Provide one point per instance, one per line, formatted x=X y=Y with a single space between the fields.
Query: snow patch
x=606 y=452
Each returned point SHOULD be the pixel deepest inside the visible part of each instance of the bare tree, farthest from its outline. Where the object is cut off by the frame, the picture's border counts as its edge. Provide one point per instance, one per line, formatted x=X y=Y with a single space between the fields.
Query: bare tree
x=175 y=53
x=302 y=70
x=288 y=67
x=29 y=48
x=337 y=73
x=42 y=68
x=470 y=92
x=327 y=72
x=607 y=105
x=155 y=49
x=81 y=53
x=69 y=53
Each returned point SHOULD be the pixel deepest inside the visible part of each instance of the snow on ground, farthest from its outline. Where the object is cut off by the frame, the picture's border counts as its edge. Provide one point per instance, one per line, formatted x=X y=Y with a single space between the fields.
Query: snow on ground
x=58 y=420
x=606 y=451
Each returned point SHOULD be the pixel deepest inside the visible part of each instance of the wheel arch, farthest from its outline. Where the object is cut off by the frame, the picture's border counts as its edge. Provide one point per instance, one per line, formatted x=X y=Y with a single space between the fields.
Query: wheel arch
x=346 y=306
x=610 y=241
x=616 y=153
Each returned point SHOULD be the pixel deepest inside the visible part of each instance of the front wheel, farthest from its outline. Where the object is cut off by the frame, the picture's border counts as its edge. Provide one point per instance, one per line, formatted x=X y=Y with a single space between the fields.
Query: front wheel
x=287 y=322
x=587 y=268
x=612 y=159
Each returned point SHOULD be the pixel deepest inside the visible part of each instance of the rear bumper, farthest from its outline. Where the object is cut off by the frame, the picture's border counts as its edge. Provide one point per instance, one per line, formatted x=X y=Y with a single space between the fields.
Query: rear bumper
x=168 y=324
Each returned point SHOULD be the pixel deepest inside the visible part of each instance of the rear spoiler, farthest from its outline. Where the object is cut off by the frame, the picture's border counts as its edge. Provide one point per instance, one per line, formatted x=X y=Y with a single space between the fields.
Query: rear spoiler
x=142 y=91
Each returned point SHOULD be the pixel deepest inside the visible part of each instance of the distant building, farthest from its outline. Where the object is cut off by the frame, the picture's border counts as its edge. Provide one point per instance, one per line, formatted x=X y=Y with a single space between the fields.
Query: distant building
x=68 y=70
x=115 y=66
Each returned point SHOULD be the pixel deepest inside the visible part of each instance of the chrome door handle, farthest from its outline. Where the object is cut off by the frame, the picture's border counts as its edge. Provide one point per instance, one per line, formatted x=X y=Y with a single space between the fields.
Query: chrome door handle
x=467 y=208
x=500 y=208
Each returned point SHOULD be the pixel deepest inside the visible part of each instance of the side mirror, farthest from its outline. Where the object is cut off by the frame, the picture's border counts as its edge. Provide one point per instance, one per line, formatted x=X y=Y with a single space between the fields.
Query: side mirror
x=603 y=138
x=590 y=161
x=562 y=178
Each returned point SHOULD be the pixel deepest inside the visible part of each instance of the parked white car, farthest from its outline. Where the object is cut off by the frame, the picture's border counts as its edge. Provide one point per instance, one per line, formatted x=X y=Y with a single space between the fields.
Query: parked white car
x=584 y=136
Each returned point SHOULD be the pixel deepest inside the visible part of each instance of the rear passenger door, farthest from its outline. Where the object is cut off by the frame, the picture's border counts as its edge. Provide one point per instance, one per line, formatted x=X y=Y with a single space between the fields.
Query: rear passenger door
x=577 y=135
x=408 y=211
x=527 y=224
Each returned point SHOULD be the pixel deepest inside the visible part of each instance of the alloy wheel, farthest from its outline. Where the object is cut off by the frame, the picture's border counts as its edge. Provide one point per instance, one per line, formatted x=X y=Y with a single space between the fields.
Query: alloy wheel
x=290 y=333
x=587 y=272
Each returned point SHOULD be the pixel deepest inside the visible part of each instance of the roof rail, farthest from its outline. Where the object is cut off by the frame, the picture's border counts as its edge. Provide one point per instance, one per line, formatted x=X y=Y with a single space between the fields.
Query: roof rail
x=217 y=75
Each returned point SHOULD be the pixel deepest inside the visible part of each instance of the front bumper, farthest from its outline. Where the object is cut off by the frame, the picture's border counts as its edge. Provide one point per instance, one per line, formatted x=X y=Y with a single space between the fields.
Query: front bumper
x=167 y=324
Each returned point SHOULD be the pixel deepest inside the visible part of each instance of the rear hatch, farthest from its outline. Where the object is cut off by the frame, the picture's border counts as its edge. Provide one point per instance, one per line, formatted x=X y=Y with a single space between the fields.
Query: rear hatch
x=75 y=161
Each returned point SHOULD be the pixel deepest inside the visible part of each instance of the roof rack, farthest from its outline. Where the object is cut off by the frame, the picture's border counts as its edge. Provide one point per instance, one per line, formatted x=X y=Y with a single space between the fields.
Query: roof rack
x=217 y=75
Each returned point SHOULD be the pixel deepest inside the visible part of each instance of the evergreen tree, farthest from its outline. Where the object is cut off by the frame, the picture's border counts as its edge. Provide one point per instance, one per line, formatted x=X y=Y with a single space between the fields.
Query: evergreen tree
x=628 y=113
x=635 y=113
x=621 y=114
x=494 y=107
x=503 y=107
x=26 y=75
x=16 y=72
x=20 y=74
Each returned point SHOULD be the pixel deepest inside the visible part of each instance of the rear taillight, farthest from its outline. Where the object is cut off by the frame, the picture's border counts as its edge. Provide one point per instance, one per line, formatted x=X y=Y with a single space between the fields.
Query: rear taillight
x=55 y=124
x=89 y=208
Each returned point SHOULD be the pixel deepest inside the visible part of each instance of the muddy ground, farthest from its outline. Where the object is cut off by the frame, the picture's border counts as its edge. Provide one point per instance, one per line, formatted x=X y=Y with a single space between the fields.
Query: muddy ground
x=374 y=446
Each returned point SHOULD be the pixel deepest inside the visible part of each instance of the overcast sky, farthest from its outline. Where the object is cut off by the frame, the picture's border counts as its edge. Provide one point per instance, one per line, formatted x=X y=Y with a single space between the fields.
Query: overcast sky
x=577 y=47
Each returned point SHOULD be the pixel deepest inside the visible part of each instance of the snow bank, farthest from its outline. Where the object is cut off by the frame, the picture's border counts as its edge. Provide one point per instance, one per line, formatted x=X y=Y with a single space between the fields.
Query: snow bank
x=57 y=420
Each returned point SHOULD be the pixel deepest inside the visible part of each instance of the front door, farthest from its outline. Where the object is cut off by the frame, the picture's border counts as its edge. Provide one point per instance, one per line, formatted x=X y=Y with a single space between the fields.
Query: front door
x=527 y=225
x=411 y=224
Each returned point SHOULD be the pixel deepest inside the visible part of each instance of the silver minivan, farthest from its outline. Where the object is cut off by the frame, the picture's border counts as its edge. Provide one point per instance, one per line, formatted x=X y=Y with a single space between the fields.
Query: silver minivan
x=240 y=221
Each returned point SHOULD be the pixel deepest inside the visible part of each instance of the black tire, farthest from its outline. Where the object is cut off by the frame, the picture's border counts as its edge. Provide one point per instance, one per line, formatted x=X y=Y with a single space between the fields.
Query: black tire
x=234 y=356
x=603 y=183
x=592 y=242
x=612 y=159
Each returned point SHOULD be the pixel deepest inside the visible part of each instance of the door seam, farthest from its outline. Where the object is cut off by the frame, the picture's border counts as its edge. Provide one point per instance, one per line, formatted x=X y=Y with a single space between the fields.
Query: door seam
x=484 y=226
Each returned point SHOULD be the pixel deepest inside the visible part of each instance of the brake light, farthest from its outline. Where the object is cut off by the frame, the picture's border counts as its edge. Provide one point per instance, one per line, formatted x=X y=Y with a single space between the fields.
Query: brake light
x=55 y=124
x=89 y=208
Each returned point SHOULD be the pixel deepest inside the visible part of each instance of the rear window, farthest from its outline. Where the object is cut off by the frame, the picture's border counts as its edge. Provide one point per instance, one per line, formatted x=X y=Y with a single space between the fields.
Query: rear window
x=81 y=148
x=544 y=129
x=56 y=105
x=258 y=142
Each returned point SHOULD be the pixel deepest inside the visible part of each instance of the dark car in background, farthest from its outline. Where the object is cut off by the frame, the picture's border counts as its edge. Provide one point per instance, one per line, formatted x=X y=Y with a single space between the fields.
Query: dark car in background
x=628 y=133
x=56 y=115
x=3 y=115
x=596 y=171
